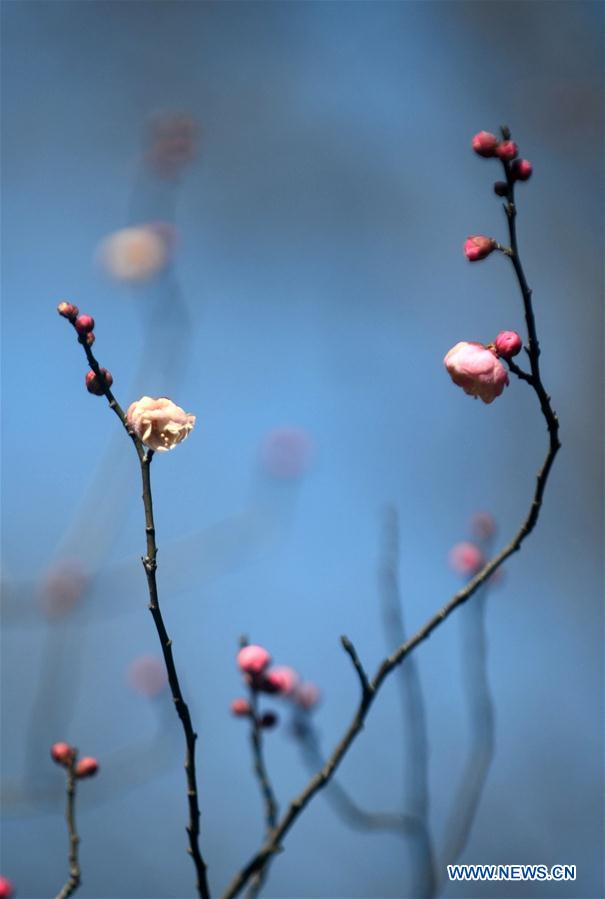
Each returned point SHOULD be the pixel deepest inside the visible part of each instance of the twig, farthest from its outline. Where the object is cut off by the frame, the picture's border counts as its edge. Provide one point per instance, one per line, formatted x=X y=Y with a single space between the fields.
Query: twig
x=389 y=664
x=361 y=673
x=74 y=879
x=262 y=776
x=150 y=566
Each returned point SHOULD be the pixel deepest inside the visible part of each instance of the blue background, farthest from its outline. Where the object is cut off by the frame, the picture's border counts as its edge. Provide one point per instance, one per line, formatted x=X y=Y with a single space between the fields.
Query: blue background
x=318 y=283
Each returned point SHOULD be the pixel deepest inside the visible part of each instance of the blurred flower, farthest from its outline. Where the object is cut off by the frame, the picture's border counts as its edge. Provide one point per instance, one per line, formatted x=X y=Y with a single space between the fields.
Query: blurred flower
x=466 y=559
x=477 y=370
x=281 y=680
x=6 y=888
x=240 y=707
x=137 y=253
x=268 y=720
x=63 y=585
x=286 y=453
x=173 y=143
x=147 y=675
x=87 y=767
x=307 y=695
x=478 y=247
x=483 y=525
x=159 y=423
x=253 y=659
x=62 y=753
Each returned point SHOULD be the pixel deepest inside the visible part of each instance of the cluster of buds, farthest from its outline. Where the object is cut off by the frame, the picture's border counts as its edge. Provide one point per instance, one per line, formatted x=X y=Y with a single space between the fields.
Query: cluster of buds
x=477 y=368
x=66 y=755
x=84 y=325
x=254 y=663
x=488 y=145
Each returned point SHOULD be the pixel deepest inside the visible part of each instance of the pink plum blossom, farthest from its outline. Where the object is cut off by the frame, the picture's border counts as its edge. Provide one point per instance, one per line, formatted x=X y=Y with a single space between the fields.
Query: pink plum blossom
x=508 y=344
x=307 y=695
x=281 y=680
x=465 y=558
x=137 y=253
x=253 y=659
x=478 y=246
x=477 y=370
x=62 y=753
x=159 y=423
x=6 y=888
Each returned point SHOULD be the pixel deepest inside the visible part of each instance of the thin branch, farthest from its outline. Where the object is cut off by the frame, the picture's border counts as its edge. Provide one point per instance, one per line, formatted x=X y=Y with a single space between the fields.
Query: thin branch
x=262 y=776
x=273 y=843
x=361 y=673
x=74 y=879
x=150 y=567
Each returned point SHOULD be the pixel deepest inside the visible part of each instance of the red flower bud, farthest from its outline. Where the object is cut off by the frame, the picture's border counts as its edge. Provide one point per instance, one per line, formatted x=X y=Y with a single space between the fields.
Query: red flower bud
x=6 y=888
x=508 y=344
x=240 y=708
x=478 y=247
x=95 y=385
x=484 y=143
x=84 y=324
x=507 y=150
x=268 y=720
x=521 y=169
x=253 y=659
x=68 y=311
x=87 y=767
x=501 y=188
x=62 y=753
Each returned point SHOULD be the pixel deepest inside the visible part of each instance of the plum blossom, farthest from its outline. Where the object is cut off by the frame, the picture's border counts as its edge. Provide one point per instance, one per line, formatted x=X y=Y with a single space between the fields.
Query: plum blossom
x=466 y=558
x=137 y=253
x=477 y=370
x=159 y=423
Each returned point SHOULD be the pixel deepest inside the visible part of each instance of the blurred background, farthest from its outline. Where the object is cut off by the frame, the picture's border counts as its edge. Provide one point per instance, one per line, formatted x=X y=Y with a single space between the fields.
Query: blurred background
x=297 y=182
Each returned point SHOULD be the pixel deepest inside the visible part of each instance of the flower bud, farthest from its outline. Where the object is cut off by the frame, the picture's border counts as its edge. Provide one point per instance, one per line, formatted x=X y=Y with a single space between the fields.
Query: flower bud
x=84 y=324
x=90 y=338
x=253 y=659
x=87 y=767
x=521 y=169
x=268 y=720
x=6 y=888
x=68 y=311
x=484 y=143
x=483 y=525
x=465 y=559
x=508 y=344
x=240 y=708
x=507 y=150
x=281 y=680
x=62 y=753
x=501 y=188
x=95 y=385
x=478 y=247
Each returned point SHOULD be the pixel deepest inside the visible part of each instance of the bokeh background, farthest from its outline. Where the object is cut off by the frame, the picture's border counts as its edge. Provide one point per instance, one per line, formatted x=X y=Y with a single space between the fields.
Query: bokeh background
x=315 y=282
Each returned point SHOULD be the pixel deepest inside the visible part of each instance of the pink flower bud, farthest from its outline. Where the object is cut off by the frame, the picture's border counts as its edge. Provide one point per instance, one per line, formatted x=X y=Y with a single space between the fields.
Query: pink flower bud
x=478 y=247
x=507 y=150
x=147 y=676
x=90 y=338
x=6 y=888
x=307 y=695
x=477 y=370
x=281 y=680
x=62 y=753
x=94 y=384
x=253 y=659
x=68 y=311
x=508 y=344
x=483 y=525
x=240 y=708
x=501 y=188
x=484 y=143
x=87 y=767
x=465 y=558
x=521 y=169
x=268 y=720
x=84 y=324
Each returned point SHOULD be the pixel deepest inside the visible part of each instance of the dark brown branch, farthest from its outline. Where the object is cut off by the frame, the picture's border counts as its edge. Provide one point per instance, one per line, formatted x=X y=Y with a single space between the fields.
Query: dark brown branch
x=262 y=776
x=150 y=566
x=273 y=844
x=361 y=673
x=74 y=879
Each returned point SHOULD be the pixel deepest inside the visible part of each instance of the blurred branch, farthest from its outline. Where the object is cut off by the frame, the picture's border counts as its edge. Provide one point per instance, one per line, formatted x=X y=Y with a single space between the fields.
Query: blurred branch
x=273 y=844
x=262 y=776
x=73 y=881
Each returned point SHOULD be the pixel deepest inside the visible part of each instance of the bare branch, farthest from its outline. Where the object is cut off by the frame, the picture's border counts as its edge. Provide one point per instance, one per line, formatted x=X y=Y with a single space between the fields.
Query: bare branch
x=74 y=880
